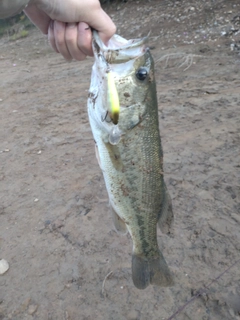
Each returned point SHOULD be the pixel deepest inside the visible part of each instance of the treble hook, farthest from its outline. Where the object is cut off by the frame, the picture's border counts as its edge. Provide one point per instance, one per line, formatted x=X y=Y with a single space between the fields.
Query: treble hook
x=105 y=118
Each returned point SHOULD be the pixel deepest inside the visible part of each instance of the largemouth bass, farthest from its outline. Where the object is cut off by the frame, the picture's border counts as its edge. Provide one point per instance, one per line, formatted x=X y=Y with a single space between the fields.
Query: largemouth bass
x=128 y=148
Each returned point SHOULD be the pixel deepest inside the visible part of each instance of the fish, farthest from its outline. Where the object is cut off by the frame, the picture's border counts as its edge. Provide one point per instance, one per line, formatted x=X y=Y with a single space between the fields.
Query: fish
x=129 y=151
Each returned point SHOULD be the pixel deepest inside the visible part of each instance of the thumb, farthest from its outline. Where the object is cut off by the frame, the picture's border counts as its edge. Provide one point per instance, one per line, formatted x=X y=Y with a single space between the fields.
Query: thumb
x=101 y=22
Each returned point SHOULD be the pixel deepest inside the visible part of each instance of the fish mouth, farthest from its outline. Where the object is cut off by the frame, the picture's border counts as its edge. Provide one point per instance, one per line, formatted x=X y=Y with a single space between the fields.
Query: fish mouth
x=119 y=50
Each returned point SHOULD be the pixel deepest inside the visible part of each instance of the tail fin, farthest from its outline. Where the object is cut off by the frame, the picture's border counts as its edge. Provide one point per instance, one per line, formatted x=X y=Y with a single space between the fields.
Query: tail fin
x=152 y=270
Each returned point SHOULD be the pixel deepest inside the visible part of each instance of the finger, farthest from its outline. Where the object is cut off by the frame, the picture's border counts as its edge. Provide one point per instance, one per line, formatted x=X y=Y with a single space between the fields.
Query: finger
x=84 y=39
x=104 y=25
x=71 y=39
x=59 y=36
x=51 y=38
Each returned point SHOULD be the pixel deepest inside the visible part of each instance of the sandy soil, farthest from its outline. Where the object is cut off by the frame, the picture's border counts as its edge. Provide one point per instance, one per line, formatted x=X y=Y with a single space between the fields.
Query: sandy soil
x=55 y=226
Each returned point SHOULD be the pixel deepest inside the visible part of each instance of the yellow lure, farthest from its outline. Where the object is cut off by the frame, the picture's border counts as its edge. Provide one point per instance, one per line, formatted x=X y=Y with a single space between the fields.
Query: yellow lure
x=113 y=98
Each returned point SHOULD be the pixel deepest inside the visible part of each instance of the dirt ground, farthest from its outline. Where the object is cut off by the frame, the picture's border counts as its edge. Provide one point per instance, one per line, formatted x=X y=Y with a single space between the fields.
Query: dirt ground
x=66 y=261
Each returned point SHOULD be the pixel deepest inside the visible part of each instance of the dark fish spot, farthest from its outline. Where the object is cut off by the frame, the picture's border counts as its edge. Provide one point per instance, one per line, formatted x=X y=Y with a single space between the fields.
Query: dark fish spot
x=140 y=223
x=126 y=94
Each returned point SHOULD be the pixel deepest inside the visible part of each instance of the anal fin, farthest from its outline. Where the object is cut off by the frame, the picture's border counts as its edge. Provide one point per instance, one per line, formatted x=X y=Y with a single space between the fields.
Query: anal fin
x=119 y=224
x=166 y=215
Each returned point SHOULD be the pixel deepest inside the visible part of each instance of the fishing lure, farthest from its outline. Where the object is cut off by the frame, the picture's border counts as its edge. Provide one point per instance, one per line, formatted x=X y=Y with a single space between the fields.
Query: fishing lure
x=114 y=106
x=113 y=99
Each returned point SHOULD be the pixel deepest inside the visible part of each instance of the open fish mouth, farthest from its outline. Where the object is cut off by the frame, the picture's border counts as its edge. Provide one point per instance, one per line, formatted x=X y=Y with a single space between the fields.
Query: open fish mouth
x=119 y=50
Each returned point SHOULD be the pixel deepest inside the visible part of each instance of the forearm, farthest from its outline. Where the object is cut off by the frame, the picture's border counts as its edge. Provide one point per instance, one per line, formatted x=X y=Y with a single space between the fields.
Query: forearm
x=9 y=8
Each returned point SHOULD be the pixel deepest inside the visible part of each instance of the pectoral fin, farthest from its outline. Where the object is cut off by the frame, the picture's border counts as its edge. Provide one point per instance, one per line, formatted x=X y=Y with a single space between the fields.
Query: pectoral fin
x=119 y=224
x=166 y=214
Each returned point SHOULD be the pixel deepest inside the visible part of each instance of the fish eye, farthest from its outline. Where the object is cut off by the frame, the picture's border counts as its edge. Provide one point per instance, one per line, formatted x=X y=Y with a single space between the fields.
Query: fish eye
x=141 y=73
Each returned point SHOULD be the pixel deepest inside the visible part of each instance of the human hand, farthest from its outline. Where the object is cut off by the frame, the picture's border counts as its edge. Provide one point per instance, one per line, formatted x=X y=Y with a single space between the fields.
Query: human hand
x=68 y=23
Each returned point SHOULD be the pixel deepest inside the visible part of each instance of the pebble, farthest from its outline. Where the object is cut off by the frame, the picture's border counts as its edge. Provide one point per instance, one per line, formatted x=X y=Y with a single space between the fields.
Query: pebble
x=32 y=309
x=4 y=266
x=205 y=195
x=231 y=311
x=132 y=315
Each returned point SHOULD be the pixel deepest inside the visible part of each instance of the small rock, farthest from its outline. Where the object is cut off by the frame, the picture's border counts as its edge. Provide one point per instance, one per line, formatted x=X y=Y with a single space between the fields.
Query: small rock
x=32 y=309
x=132 y=315
x=4 y=266
x=205 y=195
x=57 y=224
x=232 y=313
x=23 y=306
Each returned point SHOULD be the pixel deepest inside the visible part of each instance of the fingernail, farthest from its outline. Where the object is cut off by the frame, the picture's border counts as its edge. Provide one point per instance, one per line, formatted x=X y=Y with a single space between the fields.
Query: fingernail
x=71 y=25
